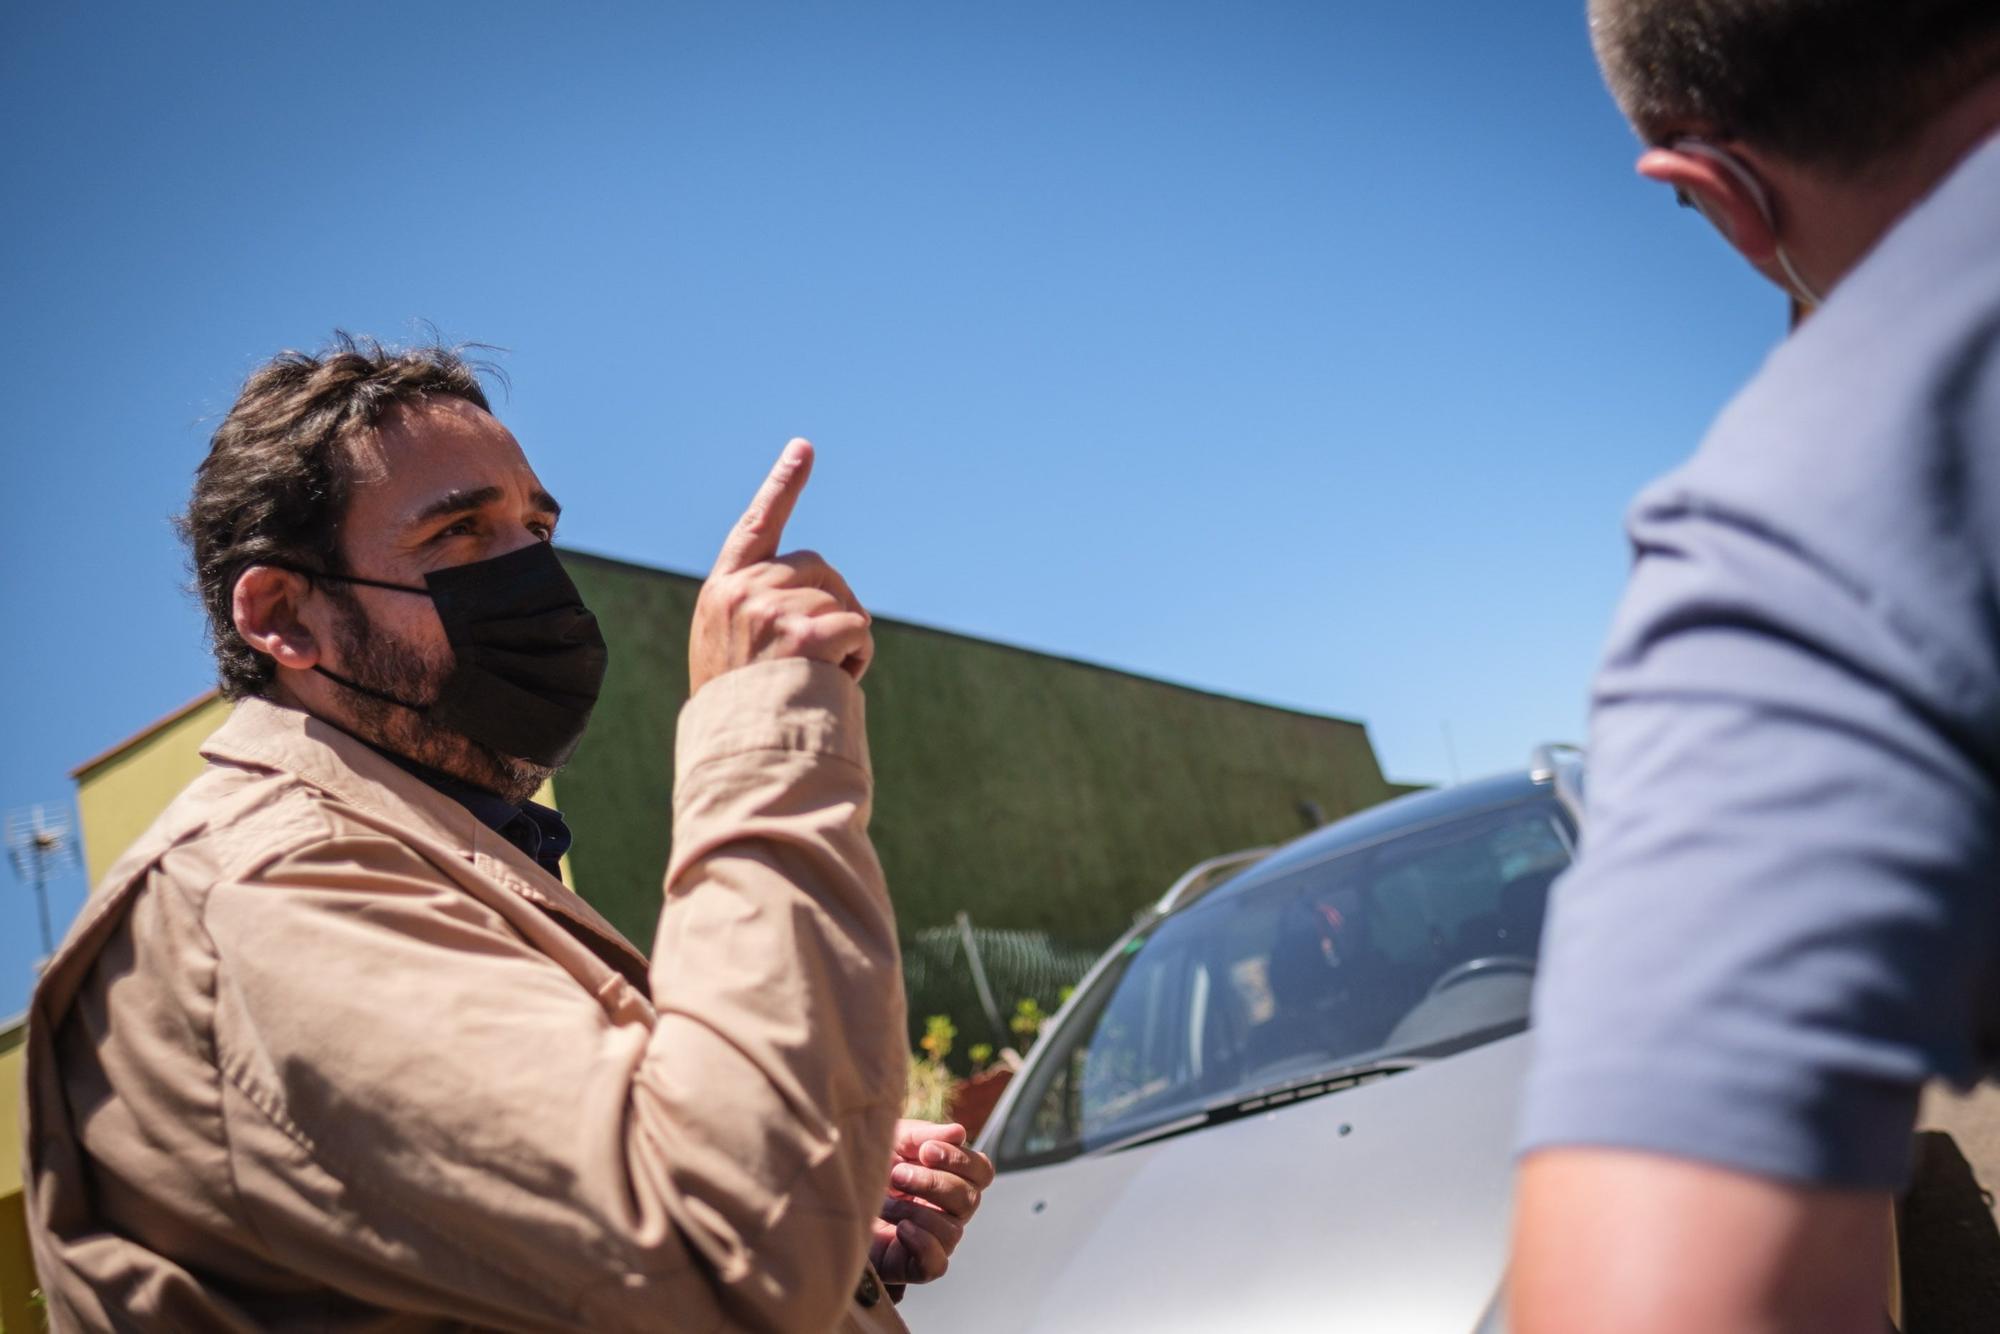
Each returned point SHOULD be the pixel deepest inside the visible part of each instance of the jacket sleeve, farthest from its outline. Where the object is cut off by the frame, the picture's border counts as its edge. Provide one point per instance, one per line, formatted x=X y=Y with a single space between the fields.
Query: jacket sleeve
x=425 y=1112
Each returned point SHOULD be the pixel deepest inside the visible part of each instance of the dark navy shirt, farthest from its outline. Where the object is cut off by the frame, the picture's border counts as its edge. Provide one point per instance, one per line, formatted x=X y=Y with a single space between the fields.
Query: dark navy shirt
x=1783 y=918
x=545 y=837
x=533 y=828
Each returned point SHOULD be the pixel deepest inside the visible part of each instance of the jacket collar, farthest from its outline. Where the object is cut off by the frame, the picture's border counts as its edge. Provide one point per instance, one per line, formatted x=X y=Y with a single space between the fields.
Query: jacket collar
x=265 y=735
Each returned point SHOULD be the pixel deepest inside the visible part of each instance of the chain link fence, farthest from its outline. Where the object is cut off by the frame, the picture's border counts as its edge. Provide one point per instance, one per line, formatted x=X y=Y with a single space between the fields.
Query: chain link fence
x=1019 y=965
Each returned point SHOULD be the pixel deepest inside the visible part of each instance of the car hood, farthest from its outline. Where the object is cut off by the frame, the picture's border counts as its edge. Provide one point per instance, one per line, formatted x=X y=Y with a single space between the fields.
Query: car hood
x=1381 y=1209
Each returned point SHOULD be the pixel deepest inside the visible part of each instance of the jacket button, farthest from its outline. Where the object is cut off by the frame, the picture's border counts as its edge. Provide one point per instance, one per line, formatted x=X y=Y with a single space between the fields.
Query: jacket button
x=869 y=1292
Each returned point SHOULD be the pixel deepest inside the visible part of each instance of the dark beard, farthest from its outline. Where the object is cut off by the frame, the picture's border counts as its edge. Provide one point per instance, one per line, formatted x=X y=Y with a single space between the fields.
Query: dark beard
x=380 y=662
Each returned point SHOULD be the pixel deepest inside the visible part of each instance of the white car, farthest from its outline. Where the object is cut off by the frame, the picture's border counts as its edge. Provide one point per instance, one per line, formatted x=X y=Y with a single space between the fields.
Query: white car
x=1285 y=1099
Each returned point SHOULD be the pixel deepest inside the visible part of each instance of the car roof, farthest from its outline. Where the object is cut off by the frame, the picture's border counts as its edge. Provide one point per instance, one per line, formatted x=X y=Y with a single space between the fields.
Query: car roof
x=1391 y=817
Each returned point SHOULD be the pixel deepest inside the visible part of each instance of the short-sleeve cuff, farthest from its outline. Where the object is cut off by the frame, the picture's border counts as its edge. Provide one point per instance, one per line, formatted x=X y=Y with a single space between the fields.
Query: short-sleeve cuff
x=1828 y=1130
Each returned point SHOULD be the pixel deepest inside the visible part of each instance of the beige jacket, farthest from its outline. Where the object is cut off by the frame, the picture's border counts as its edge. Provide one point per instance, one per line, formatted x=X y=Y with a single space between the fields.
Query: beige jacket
x=326 y=1053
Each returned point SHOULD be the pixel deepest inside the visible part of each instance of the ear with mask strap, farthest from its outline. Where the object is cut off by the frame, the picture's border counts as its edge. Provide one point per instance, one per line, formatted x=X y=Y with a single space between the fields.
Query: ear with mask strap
x=1722 y=157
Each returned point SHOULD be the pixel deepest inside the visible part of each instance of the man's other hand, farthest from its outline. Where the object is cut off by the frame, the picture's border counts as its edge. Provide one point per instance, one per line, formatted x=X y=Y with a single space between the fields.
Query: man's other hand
x=758 y=605
x=935 y=1182
x=1609 y=1239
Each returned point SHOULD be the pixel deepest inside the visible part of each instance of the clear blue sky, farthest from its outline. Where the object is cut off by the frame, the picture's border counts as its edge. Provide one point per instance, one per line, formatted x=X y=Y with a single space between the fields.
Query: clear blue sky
x=1307 y=352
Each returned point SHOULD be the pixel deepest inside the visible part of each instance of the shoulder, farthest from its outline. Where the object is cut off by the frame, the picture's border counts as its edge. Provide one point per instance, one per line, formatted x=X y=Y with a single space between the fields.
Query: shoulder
x=224 y=815
x=146 y=914
x=1872 y=398
x=1848 y=500
x=230 y=825
x=245 y=848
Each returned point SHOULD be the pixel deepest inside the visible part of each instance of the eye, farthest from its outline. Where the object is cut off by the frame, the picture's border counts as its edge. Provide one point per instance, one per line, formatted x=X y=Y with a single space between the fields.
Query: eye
x=462 y=528
x=545 y=531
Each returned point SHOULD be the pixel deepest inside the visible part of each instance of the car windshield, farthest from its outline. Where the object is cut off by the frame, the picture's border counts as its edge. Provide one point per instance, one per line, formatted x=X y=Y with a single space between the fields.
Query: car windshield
x=1416 y=944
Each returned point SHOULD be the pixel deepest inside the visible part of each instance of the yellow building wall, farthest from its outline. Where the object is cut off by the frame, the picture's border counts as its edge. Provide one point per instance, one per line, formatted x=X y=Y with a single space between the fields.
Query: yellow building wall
x=17 y=1270
x=122 y=791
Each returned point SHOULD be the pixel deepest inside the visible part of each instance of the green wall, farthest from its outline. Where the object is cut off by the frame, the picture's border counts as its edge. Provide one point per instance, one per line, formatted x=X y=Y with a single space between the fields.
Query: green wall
x=617 y=792
x=1034 y=792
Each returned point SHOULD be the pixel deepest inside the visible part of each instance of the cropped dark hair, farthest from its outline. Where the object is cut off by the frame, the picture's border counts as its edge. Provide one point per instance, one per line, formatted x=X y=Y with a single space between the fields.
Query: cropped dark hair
x=274 y=485
x=1836 y=84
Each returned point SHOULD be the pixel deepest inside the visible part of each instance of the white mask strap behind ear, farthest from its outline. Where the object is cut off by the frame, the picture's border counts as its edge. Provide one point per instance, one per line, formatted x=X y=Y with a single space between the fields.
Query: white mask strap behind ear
x=1723 y=158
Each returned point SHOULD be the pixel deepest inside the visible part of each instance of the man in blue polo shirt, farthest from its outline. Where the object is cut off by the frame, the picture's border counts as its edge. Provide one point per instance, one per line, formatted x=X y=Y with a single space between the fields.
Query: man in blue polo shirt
x=1784 y=918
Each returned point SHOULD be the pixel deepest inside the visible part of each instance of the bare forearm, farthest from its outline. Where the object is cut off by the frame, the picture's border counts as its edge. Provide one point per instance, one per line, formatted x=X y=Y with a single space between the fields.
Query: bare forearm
x=1614 y=1240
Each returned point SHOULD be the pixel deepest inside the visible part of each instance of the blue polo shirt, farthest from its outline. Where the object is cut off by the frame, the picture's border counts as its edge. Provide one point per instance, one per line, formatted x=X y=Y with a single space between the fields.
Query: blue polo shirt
x=1783 y=918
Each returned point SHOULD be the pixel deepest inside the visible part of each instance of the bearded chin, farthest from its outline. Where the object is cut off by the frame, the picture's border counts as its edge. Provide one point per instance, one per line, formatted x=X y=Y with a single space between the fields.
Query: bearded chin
x=382 y=662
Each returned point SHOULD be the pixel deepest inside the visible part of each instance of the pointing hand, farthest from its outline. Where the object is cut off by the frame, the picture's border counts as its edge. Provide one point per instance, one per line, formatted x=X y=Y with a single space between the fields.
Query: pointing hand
x=758 y=605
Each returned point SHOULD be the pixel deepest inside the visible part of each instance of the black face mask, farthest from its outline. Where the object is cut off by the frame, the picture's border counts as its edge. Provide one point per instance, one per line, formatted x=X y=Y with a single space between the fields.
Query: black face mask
x=529 y=658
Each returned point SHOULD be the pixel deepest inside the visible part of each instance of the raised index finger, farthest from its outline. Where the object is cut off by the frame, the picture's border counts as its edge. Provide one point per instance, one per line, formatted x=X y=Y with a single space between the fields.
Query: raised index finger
x=757 y=534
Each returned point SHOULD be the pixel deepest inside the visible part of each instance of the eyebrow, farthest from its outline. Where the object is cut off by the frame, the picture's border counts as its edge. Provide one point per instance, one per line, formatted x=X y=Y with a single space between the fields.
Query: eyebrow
x=461 y=502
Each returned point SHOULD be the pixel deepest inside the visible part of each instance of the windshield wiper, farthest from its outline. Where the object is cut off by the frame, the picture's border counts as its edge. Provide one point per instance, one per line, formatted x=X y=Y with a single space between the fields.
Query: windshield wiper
x=1282 y=1094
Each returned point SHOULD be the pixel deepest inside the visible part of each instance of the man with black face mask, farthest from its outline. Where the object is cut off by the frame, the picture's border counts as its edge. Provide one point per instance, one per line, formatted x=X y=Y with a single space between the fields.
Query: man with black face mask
x=334 y=1046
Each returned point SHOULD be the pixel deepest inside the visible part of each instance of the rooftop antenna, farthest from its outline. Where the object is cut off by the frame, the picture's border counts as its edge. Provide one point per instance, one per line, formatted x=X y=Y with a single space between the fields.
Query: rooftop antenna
x=38 y=844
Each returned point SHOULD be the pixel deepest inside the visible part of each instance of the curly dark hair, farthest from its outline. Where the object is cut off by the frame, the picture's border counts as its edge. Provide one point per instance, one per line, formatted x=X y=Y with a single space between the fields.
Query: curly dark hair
x=1832 y=83
x=274 y=485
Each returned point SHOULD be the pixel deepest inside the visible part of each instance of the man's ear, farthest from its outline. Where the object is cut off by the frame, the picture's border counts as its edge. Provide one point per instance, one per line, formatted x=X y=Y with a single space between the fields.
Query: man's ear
x=1723 y=197
x=267 y=606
